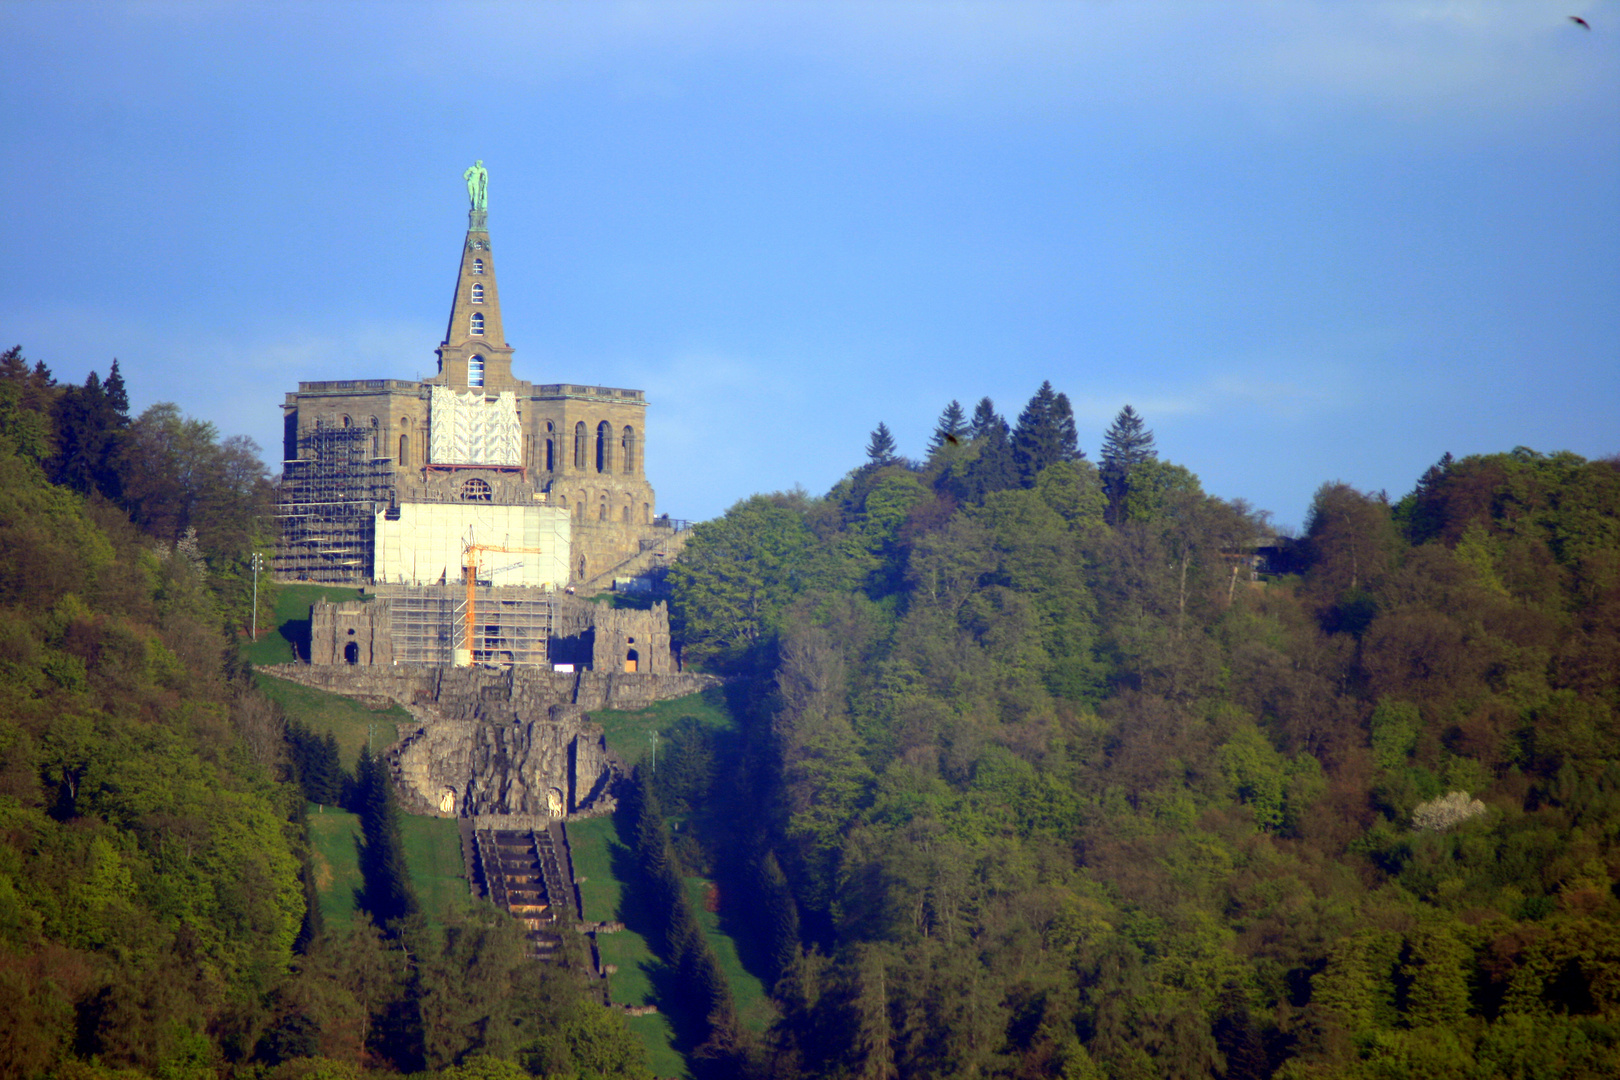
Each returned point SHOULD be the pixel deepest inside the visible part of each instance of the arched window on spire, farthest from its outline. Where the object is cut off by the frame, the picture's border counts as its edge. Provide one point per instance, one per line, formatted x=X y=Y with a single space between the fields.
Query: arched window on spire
x=627 y=451
x=475 y=368
x=478 y=266
x=604 y=448
x=478 y=324
x=478 y=292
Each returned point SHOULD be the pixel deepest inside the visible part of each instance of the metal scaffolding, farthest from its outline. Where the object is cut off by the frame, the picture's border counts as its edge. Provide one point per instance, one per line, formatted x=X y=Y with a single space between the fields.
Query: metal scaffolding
x=330 y=495
x=513 y=624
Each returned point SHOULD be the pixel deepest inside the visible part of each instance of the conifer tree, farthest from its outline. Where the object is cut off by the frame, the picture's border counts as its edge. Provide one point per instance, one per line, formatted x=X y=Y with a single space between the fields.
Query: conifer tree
x=985 y=418
x=1045 y=434
x=951 y=427
x=387 y=891
x=880 y=451
x=1126 y=444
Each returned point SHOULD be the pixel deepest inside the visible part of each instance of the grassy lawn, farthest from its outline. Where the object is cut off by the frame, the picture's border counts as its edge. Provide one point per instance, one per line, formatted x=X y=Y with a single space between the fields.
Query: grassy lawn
x=352 y=722
x=628 y=733
x=433 y=854
x=657 y=1036
x=290 y=622
x=754 y=1009
x=332 y=836
x=598 y=861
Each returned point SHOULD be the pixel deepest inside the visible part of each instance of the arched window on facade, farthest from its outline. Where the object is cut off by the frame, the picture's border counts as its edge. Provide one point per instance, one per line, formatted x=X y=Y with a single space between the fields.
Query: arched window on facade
x=551 y=465
x=602 y=509
x=604 y=447
x=475 y=364
x=579 y=446
x=627 y=451
x=562 y=501
x=347 y=422
x=626 y=513
x=404 y=451
x=478 y=292
x=478 y=266
x=476 y=490
x=478 y=324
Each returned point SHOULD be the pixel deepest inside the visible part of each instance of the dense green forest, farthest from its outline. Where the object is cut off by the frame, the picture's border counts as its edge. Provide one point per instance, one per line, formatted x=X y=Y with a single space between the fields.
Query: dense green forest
x=1037 y=767
x=156 y=915
x=1036 y=779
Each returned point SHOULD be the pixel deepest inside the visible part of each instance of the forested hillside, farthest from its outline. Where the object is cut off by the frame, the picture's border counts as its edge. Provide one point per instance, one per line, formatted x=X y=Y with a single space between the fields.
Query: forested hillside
x=1041 y=768
x=155 y=888
x=1037 y=780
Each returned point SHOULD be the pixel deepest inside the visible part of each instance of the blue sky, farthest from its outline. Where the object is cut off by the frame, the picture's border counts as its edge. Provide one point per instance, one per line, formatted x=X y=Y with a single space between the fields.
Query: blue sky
x=1308 y=241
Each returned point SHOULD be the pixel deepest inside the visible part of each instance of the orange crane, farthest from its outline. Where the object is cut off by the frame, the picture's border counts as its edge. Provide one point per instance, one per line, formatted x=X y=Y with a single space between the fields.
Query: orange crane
x=469 y=569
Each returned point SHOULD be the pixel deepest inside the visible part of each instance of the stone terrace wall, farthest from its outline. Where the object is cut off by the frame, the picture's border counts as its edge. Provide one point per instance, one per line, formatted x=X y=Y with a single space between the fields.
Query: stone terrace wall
x=496 y=695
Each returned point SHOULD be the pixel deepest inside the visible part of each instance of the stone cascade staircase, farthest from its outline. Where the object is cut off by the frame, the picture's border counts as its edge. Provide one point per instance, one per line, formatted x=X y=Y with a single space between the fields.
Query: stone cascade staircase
x=657 y=551
x=525 y=871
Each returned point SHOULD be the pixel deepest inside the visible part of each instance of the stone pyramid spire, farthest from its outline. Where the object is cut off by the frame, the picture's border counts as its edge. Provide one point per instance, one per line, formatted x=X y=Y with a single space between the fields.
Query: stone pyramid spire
x=474 y=352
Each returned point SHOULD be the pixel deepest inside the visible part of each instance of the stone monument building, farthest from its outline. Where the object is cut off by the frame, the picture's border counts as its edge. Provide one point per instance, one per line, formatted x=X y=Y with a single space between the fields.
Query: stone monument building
x=385 y=478
x=469 y=501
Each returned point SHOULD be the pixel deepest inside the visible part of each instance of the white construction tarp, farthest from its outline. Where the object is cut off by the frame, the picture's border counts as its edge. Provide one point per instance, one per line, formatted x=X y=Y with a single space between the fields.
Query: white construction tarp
x=428 y=543
x=468 y=429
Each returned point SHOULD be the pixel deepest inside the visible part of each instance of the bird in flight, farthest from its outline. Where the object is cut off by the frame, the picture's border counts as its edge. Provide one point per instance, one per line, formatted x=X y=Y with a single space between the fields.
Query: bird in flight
x=1580 y=22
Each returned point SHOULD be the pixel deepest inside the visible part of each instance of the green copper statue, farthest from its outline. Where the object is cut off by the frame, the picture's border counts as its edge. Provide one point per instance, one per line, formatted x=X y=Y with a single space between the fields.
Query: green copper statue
x=477 y=179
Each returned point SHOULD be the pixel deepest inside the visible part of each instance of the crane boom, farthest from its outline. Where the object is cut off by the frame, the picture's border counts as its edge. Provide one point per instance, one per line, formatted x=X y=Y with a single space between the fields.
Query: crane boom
x=470 y=571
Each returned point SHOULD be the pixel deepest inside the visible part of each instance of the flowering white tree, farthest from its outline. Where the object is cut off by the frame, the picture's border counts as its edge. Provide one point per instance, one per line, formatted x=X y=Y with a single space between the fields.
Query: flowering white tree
x=1438 y=815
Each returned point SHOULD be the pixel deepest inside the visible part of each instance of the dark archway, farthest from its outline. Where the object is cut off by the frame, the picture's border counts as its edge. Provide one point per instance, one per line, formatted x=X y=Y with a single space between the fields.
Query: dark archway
x=351 y=653
x=627 y=451
x=604 y=448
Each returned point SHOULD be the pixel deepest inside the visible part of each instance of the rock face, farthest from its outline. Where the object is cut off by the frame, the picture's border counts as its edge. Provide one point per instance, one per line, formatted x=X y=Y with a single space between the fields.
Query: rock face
x=500 y=742
x=556 y=766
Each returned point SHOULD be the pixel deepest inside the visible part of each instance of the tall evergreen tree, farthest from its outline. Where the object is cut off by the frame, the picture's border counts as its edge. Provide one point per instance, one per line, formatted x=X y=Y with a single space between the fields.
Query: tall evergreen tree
x=984 y=419
x=994 y=468
x=1126 y=444
x=387 y=891
x=90 y=425
x=1045 y=434
x=951 y=427
x=880 y=451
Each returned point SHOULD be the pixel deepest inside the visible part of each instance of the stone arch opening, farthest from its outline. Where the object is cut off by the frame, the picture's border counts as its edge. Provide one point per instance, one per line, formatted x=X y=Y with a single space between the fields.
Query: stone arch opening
x=351 y=652
x=604 y=448
x=477 y=490
x=579 y=446
x=627 y=448
x=632 y=661
x=404 y=451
